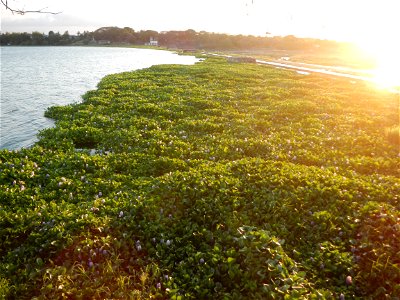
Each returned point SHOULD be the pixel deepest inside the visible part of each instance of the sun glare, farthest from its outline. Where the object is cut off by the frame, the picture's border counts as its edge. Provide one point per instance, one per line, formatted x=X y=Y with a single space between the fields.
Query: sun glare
x=387 y=71
x=384 y=51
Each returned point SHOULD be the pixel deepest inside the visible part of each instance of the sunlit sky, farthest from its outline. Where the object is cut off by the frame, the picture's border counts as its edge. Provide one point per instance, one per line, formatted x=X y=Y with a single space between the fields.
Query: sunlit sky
x=350 y=20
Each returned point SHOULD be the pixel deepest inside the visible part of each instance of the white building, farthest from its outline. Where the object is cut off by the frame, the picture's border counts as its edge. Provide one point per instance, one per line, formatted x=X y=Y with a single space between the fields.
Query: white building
x=152 y=42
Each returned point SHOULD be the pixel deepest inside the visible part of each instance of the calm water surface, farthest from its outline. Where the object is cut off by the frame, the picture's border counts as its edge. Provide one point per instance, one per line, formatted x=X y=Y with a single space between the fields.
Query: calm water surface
x=34 y=78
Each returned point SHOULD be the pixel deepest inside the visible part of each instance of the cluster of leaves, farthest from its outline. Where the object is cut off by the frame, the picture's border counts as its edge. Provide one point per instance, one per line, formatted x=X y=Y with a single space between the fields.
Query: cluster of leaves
x=215 y=180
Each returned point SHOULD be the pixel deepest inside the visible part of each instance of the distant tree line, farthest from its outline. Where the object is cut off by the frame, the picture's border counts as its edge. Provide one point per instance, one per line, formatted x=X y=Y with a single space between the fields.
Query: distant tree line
x=188 y=39
x=40 y=39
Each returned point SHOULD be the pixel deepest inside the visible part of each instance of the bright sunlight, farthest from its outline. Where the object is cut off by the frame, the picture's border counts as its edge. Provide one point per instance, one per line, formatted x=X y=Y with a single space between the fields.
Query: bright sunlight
x=387 y=61
x=379 y=40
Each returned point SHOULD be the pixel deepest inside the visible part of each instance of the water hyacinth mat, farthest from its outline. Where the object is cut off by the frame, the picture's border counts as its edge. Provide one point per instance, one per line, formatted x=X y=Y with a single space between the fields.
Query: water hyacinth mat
x=211 y=181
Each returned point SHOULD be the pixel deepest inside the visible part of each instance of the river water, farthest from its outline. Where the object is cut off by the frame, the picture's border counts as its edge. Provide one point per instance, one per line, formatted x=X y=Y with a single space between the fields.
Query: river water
x=34 y=78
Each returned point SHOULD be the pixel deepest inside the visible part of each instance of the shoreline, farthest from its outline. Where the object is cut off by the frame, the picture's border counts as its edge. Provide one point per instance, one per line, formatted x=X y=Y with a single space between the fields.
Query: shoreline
x=51 y=87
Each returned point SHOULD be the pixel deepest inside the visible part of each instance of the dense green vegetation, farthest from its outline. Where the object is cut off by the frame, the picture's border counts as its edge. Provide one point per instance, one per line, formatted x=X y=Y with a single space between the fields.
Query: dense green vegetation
x=213 y=181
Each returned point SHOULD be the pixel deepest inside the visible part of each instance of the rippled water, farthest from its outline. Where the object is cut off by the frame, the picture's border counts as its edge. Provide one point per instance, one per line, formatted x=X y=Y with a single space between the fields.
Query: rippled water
x=34 y=78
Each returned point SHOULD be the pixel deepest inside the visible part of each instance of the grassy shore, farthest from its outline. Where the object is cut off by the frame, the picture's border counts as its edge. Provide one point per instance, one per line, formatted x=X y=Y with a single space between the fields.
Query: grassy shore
x=216 y=180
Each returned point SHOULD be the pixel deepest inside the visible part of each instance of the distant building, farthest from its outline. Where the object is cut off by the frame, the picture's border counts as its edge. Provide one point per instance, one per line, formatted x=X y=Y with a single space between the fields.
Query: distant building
x=103 y=42
x=241 y=59
x=152 y=42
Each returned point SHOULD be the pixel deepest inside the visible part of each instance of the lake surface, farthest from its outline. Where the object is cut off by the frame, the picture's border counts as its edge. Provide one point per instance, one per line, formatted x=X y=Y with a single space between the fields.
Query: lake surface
x=34 y=78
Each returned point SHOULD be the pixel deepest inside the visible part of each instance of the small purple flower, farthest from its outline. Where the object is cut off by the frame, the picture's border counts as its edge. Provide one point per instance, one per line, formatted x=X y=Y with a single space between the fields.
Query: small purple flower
x=90 y=264
x=341 y=297
x=349 y=280
x=201 y=260
x=158 y=285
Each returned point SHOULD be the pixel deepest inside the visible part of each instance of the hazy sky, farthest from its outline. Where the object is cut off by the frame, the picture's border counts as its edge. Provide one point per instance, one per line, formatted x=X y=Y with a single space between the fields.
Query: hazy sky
x=355 y=20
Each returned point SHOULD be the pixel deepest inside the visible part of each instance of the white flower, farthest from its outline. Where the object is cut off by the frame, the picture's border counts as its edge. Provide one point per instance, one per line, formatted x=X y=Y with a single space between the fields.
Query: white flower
x=168 y=242
x=121 y=214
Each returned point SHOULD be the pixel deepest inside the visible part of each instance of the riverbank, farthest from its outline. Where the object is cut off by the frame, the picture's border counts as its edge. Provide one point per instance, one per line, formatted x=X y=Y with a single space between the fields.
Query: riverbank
x=207 y=181
x=34 y=78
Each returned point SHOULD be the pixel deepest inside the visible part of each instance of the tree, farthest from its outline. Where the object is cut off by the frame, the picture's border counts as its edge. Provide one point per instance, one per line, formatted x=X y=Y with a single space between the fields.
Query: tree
x=54 y=38
x=65 y=38
x=23 y=11
x=38 y=38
